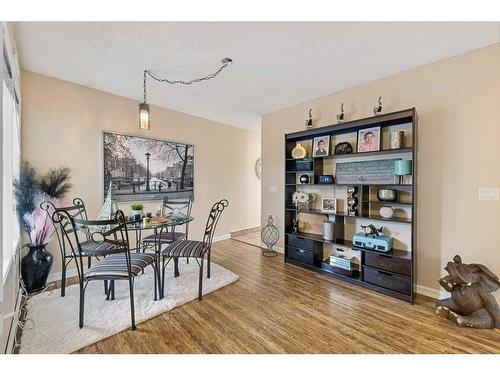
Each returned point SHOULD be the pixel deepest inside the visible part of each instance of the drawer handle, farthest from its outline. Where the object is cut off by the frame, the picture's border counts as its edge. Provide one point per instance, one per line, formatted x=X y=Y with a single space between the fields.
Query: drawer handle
x=385 y=273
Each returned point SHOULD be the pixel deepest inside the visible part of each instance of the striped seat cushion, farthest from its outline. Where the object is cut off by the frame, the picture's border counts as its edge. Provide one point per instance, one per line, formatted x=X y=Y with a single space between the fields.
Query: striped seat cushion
x=164 y=237
x=115 y=266
x=195 y=249
x=92 y=248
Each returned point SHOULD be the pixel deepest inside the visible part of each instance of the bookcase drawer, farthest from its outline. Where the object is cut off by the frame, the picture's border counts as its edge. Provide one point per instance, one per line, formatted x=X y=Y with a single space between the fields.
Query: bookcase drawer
x=300 y=243
x=387 y=263
x=300 y=255
x=387 y=280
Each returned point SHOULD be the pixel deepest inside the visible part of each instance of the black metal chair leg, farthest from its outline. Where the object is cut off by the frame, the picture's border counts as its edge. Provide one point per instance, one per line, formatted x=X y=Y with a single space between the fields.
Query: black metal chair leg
x=176 y=267
x=63 y=278
x=208 y=265
x=106 y=287
x=132 y=312
x=158 y=274
x=187 y=260
x=163 y=276
x=112 y=290
x=82 y=305
x=200 y=290
x=89 y=262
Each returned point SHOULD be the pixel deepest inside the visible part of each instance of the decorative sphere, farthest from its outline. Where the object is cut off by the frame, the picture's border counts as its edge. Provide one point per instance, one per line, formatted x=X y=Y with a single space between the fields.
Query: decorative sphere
x=304 y=179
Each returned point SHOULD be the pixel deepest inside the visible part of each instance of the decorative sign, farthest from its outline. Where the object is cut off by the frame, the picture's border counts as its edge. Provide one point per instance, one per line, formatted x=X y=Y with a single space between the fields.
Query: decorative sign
x=366 y=172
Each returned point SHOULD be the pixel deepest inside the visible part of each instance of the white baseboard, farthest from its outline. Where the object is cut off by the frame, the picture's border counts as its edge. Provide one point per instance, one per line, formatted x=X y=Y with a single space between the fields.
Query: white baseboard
x=56 y=276
x=238 y=232
x=433 y=293
x=222 y=237
x=14 y=324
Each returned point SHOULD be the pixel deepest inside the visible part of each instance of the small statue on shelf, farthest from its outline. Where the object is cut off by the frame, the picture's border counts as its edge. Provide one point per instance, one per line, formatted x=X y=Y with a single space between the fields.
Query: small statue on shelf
x=378 y=109
x=370 y=230
x=340 y=116
x=309 y=122
x=472 y=303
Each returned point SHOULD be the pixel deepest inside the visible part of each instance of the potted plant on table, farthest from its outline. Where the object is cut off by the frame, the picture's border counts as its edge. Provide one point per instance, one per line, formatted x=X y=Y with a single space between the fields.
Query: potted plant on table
x=137 y=210
x=30 y=192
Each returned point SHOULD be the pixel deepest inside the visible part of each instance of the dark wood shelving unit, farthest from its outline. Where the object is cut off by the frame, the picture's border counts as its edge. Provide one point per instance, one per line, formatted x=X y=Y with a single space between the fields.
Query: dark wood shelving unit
x=392 y=273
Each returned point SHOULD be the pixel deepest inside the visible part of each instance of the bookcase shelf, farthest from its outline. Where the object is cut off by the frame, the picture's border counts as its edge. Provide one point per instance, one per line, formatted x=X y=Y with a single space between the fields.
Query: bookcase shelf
x=391 y=273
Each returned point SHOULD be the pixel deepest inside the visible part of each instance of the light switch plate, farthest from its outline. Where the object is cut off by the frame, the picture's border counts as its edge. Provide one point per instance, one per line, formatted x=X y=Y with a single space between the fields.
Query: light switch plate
x=488 y=193
x=273 y=188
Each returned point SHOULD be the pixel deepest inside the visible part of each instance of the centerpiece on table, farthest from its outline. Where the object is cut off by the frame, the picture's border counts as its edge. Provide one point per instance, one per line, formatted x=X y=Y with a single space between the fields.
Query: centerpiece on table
x=29 y=193
x=137 y=210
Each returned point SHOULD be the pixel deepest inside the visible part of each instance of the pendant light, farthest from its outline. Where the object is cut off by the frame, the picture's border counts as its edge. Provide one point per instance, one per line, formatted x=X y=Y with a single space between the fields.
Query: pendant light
x=144 y=113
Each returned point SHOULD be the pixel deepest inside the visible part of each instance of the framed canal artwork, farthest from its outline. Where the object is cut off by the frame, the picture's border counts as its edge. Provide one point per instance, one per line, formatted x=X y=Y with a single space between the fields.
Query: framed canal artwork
x=146 y=169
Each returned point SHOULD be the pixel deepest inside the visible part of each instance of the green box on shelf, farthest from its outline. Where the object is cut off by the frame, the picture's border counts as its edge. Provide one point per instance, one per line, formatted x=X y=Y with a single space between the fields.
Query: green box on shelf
x=365 y=172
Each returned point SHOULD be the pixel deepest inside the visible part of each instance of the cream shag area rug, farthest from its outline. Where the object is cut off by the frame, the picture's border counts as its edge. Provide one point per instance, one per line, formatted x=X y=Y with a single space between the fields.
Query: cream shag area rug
x=52 y=320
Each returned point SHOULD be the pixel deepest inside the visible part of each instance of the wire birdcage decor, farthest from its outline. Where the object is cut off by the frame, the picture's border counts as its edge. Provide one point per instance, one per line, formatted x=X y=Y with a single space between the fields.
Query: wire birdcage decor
x=269 y=235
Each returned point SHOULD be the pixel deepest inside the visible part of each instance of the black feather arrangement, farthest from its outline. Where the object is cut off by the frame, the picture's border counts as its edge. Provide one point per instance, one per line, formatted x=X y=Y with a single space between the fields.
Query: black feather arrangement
x=25 y=190
x=55 y=183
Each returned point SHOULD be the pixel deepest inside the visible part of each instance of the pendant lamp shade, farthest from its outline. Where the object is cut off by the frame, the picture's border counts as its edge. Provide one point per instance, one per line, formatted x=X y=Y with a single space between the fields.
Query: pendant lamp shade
x=144 y=117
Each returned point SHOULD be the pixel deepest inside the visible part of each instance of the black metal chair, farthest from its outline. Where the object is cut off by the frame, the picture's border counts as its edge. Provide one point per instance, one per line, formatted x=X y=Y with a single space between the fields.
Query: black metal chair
x=196 y=249
x=78 y=211
x=118 y=262
x=175 y=207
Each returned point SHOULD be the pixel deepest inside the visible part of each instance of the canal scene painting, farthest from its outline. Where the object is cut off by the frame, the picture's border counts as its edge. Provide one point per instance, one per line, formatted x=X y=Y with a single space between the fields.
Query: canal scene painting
x=145 y=169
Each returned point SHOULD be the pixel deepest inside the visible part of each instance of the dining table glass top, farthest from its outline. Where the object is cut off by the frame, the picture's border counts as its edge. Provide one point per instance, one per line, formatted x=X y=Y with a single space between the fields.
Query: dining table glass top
x=158 y=222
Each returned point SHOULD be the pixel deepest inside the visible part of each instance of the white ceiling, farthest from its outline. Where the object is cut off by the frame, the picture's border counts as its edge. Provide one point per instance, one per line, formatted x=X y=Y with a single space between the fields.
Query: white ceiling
x=276 y=65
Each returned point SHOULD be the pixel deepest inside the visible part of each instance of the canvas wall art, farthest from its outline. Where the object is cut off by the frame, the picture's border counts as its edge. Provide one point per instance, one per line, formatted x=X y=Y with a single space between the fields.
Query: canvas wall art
x=145 y=169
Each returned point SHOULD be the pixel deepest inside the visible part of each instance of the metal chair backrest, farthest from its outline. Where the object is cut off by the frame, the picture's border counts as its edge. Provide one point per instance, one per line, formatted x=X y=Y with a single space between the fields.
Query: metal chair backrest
x=77 y=210
x=213 y=219
x=71 y=227
x=183 y=206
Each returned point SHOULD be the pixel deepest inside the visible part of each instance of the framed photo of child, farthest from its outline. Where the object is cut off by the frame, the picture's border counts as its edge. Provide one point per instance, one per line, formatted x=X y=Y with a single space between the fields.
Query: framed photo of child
x=321 y=146
x=369 y=139
x=329 y=205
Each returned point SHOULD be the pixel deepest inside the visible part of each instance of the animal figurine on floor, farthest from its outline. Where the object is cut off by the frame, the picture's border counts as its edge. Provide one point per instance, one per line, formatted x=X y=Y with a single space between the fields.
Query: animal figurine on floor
x=471 y=303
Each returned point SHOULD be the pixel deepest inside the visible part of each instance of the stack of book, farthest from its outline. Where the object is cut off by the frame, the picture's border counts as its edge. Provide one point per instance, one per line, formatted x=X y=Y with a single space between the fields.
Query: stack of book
x=341 y=261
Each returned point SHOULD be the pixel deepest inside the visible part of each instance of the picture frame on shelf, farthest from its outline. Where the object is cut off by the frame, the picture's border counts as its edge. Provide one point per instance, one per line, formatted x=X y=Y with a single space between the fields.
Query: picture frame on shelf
x=321 y=146
x=329 y=205
x=369 y=139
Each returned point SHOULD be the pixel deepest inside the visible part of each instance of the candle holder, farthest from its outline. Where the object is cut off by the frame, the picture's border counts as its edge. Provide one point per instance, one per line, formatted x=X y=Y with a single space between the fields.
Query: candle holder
x=402 y=168
x=269 y=235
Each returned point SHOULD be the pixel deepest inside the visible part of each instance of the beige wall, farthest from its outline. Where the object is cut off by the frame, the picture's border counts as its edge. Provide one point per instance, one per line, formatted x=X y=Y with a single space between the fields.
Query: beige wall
x=458 y=102
x=62 y=125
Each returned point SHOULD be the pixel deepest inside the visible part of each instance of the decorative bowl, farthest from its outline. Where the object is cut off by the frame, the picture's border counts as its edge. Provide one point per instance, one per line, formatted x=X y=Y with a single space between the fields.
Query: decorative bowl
x=387 y=195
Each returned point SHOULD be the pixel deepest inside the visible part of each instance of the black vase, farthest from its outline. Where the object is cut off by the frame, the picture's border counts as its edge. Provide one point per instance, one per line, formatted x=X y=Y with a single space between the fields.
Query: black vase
x=35 y=268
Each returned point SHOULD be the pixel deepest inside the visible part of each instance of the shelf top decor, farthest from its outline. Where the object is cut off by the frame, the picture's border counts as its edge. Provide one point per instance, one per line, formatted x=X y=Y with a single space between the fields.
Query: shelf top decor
x=388 y=119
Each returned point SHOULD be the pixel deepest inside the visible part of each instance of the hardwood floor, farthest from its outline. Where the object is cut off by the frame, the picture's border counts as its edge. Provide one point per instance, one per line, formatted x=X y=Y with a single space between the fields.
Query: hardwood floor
x=280 y=308
x=251 y=238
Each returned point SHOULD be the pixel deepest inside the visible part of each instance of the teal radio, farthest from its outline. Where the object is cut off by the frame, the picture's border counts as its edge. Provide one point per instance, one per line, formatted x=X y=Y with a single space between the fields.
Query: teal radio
x=381 y=243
